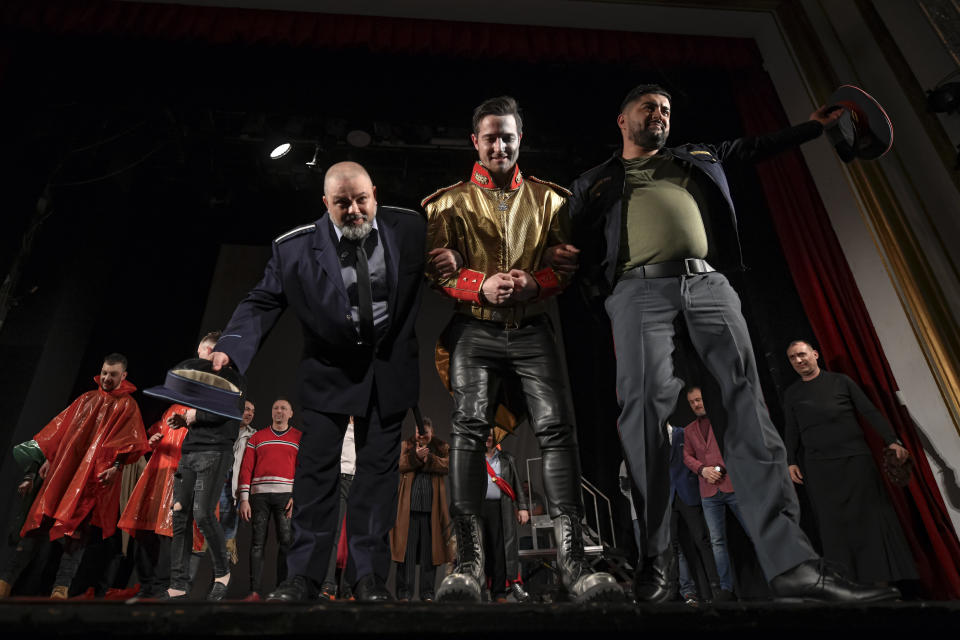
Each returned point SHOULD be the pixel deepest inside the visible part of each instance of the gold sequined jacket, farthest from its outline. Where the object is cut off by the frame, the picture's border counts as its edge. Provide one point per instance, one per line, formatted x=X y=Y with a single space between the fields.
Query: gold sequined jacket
x=496 y=230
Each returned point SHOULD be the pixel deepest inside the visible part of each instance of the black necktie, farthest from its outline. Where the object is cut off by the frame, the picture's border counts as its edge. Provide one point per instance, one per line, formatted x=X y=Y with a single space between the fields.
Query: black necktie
x=364 y=294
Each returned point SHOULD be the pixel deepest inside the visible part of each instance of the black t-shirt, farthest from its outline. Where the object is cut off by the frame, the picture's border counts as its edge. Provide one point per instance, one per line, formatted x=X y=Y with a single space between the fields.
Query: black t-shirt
x=211 y=432
x=820 y=414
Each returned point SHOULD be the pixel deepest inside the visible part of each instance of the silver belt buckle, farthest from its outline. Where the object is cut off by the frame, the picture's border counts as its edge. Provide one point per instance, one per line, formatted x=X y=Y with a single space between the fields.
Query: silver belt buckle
x=701 y=266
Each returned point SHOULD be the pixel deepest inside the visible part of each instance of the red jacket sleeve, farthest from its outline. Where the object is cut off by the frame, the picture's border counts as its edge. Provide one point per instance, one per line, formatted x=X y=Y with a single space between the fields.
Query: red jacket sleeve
x=690 y=453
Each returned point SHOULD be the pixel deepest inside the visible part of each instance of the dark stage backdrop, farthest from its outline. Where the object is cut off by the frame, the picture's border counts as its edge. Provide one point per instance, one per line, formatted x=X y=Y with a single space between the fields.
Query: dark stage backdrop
x=145 y=127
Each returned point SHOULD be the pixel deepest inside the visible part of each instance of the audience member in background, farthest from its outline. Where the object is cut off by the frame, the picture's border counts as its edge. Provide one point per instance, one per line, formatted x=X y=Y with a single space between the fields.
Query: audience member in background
x=858 y=526
x=148 y=516
x=701 y=453
x=206 y=455
x=538 y=506
x=228 y=497
x=691 y=538
x=84 y=449
x=266 y=489
x=338 y=586
x=503 y=508
x=422 y=515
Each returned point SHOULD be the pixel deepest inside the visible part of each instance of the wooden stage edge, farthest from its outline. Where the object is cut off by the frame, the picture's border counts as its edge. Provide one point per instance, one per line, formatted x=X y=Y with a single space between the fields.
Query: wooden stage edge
x=35 y=618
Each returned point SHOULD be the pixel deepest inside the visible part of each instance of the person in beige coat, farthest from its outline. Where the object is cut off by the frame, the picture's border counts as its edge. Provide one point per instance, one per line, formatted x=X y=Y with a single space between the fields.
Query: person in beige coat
x=419 y=535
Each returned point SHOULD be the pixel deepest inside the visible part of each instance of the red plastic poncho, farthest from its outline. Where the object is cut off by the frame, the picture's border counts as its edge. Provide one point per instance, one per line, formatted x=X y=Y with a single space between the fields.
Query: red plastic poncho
x=150 y=505
x=83 y=441
x=152 y=499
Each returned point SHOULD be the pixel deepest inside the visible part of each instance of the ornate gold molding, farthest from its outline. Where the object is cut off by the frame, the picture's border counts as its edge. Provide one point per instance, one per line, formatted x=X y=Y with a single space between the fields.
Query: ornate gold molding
x=944 y=17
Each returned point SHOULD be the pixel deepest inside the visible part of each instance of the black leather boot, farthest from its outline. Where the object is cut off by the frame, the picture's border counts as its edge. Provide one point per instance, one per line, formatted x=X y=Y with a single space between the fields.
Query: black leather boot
x=468 y=477
x=464 y=584
x=655 y=581
x=581 y=581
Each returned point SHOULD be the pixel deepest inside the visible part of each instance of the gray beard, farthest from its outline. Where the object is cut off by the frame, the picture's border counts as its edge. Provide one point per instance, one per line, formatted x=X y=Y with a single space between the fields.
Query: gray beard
x=356 y=233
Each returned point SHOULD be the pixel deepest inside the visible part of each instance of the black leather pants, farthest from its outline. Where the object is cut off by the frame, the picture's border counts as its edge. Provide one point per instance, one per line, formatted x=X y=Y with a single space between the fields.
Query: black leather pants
x=485 y=357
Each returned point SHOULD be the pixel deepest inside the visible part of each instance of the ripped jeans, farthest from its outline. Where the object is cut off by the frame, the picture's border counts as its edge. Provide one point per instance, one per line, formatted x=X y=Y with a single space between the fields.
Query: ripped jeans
x=196 y=492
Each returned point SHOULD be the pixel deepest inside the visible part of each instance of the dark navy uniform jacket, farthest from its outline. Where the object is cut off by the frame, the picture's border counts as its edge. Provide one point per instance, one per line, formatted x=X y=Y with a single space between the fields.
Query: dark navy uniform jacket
x=595 y=208
x=338 y=373
x=682 y=480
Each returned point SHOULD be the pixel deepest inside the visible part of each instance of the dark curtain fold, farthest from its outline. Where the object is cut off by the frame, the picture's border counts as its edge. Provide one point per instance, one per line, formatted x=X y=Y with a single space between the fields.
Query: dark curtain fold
x=847 y=339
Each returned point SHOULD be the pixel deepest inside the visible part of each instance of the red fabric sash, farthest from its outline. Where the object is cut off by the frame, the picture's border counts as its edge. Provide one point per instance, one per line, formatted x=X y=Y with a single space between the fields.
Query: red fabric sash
x=500 y=482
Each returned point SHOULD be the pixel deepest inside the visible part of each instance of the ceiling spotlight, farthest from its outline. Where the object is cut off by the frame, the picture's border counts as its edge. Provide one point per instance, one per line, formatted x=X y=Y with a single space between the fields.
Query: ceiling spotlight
x=280 y=150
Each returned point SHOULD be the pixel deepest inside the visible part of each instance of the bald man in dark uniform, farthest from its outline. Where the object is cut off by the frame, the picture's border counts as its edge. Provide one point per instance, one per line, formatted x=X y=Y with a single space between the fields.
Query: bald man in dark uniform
x=353 y=279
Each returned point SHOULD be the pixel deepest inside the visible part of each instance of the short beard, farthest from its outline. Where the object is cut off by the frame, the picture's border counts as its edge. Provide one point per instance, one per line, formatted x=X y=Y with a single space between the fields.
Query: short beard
x=355 y=232
x=646 y=139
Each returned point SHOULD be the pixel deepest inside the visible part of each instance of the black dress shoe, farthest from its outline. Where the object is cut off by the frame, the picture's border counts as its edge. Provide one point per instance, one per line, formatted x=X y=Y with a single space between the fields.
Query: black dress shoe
x=815 y=580
x=218 y=591
x=295 y=589
x=722 y=595
x=371 y=588
x=654 y=581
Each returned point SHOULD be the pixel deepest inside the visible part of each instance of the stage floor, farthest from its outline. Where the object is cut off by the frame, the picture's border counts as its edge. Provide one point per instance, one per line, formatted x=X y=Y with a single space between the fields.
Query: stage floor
x=21 y=617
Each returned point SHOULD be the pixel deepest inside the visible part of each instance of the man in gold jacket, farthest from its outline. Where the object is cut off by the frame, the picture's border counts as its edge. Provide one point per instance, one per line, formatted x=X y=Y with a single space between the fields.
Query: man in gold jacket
x=486 y=239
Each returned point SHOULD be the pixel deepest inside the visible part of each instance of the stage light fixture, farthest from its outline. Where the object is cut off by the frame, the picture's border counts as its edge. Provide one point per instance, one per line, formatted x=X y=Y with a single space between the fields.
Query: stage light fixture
x=312 y=163
x=280 y=150
x=359 y=138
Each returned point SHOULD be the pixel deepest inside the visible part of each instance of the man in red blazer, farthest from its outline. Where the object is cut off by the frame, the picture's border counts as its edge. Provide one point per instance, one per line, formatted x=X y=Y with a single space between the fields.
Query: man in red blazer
x=701 y=453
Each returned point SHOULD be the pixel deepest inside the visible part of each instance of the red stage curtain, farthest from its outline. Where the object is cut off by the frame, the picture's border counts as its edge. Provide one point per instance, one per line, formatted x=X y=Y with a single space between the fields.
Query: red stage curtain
x=377 y=34
x=848 y=342
x=821 y=274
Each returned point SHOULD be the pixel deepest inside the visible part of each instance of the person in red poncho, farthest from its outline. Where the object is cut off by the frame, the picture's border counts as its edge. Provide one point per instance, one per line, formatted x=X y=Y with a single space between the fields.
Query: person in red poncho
x=148 y=515
x=85 y=447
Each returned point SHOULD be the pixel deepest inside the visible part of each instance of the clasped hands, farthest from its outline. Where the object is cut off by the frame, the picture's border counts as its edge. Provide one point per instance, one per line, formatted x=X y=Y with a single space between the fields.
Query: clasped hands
x=422 y=452
x=711 y=475
x=515 y=285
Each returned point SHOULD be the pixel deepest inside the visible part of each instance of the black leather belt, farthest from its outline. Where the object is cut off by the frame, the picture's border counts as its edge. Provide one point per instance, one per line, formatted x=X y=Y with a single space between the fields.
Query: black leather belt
x=508 y=324
x=671 y=269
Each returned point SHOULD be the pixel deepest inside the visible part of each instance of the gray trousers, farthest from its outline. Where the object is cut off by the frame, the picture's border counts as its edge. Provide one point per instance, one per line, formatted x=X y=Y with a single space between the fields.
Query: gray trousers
x=642 y=312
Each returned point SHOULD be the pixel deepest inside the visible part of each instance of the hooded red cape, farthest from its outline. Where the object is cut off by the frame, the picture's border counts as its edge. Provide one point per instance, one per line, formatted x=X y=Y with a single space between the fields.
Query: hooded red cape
x=150 y=505
x=84 y=440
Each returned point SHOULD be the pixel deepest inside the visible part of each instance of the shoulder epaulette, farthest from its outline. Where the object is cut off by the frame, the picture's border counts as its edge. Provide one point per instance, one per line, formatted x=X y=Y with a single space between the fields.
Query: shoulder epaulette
x=405 y=210
x=553 y=185
x=293 y=233
x=436 y=193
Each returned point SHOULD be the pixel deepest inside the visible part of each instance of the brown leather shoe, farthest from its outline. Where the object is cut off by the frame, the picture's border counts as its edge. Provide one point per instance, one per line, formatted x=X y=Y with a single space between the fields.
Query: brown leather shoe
x=5 y=589
x=60 y=592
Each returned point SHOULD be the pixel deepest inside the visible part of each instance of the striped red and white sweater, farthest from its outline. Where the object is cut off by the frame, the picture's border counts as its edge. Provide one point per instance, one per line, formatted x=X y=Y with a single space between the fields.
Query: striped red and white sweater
x=269 y=462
